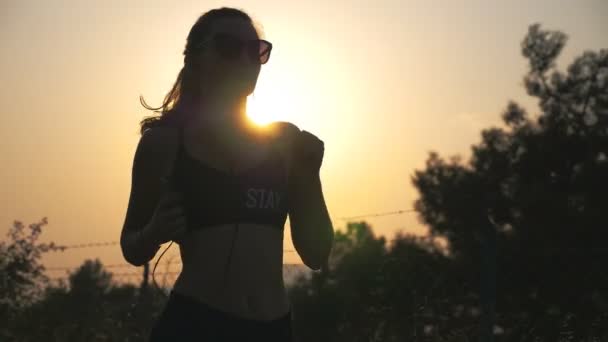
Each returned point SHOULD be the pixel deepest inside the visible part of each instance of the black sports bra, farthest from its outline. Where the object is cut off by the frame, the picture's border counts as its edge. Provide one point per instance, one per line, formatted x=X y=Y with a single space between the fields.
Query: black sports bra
x=213 y=196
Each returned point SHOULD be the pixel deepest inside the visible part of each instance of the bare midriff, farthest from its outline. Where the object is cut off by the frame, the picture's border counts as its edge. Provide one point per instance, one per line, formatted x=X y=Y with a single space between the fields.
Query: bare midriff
x=251 y=286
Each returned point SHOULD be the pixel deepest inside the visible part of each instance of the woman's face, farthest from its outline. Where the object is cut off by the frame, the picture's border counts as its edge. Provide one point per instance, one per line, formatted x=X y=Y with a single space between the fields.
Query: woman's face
x=229 y=78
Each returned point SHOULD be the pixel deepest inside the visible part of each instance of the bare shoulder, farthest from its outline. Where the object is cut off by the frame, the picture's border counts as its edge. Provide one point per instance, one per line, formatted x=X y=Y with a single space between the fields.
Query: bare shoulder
x=158 y=136
x=283 y=135
x=284 y=128
x=282 y=132
x=155 y=149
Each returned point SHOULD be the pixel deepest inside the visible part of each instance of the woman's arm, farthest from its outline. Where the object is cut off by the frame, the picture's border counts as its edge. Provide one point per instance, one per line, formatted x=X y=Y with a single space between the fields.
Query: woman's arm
x=311 y=228
x=135 y=242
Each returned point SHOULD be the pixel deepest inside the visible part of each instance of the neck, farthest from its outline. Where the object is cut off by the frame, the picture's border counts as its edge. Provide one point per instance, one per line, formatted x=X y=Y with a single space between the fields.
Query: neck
x=219 y=111
x=225 y=119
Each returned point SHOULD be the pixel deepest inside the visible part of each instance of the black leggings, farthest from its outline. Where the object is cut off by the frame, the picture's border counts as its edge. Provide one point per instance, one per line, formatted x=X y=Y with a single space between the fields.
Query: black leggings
x=188 y=319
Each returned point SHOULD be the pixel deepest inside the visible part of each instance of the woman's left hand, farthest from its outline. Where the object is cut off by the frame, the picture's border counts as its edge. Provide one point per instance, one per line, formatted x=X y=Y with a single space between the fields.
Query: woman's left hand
x=303 y=150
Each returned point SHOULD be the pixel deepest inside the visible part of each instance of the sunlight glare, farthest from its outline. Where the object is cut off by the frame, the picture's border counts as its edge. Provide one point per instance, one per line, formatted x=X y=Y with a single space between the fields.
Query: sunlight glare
x=270 y=102
x=261 y=108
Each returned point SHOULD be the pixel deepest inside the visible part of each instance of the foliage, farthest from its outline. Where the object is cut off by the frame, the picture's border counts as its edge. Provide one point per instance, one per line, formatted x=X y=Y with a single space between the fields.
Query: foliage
x=535 y=192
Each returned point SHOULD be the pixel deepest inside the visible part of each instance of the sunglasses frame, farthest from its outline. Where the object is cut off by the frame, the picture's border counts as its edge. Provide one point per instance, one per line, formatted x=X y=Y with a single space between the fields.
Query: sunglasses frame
x=243 y=44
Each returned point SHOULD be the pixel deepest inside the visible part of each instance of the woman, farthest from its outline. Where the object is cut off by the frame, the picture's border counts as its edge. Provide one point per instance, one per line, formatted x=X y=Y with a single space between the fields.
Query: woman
x=231 y=187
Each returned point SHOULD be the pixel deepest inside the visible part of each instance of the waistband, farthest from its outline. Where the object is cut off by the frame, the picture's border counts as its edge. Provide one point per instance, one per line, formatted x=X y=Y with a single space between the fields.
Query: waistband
x=196 y=308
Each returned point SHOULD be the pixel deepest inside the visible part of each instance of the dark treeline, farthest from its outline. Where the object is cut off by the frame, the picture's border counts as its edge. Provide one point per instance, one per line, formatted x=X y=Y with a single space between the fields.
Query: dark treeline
x=524 y=221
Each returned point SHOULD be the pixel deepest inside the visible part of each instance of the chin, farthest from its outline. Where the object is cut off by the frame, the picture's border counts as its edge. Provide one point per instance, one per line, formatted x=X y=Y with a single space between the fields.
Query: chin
x=247 y=89
x=237 y=91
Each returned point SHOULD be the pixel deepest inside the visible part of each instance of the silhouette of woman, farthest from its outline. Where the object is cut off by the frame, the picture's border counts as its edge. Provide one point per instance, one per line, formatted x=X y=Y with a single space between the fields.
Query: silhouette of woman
x=206 y=178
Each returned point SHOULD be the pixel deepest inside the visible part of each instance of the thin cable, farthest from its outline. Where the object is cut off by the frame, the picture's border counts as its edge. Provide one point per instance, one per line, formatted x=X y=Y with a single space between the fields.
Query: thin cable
x=154 y=269
x=169 y=182
x=236 y=230
x=229 y=261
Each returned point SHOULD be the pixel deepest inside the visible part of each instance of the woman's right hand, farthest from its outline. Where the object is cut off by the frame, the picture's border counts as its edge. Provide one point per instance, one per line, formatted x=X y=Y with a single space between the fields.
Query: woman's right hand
x=168 y=221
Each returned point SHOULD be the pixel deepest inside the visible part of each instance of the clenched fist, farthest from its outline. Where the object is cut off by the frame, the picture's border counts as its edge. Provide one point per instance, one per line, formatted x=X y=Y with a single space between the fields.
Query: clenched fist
x=304 y=150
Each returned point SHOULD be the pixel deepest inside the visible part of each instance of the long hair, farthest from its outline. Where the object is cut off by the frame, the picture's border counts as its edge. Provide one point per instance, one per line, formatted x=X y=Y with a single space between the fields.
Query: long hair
x=186 y=91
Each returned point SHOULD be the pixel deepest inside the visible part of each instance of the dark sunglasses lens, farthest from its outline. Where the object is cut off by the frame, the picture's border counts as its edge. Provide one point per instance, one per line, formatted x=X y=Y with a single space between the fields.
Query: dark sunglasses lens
x=263 y=53
x=228 y=47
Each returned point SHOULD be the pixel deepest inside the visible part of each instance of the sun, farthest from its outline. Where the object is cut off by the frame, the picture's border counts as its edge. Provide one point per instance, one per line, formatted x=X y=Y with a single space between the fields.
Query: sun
x=259 y=110
x=262 y=109
x=270 y=102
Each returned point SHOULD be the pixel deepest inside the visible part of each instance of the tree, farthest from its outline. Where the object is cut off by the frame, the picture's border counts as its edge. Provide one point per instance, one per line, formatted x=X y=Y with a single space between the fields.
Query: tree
x=536 y=187
x=22 y=273
x=378 y=292
x=89 y=307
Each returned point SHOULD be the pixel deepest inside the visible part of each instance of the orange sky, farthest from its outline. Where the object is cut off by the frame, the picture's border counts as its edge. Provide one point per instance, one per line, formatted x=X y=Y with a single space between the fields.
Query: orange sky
x=382 y=83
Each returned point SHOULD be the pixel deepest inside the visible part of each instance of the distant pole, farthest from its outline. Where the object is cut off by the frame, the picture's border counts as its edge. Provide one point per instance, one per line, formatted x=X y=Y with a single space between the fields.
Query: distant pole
x=488 y=283
x=144 y=283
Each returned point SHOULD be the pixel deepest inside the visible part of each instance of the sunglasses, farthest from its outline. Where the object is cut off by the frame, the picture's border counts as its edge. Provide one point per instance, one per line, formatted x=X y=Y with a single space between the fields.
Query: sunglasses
x=230 y=47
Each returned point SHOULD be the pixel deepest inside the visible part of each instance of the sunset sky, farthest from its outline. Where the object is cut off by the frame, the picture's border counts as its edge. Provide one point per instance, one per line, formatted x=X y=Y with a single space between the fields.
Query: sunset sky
x=382 y=83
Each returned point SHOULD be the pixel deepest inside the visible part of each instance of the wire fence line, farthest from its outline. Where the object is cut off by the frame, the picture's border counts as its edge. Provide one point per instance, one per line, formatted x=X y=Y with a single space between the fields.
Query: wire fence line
x=288 y=269
x=138 y=274
x=114 y=243
x=397 y=212
x=171 y=261
x=127 y=265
